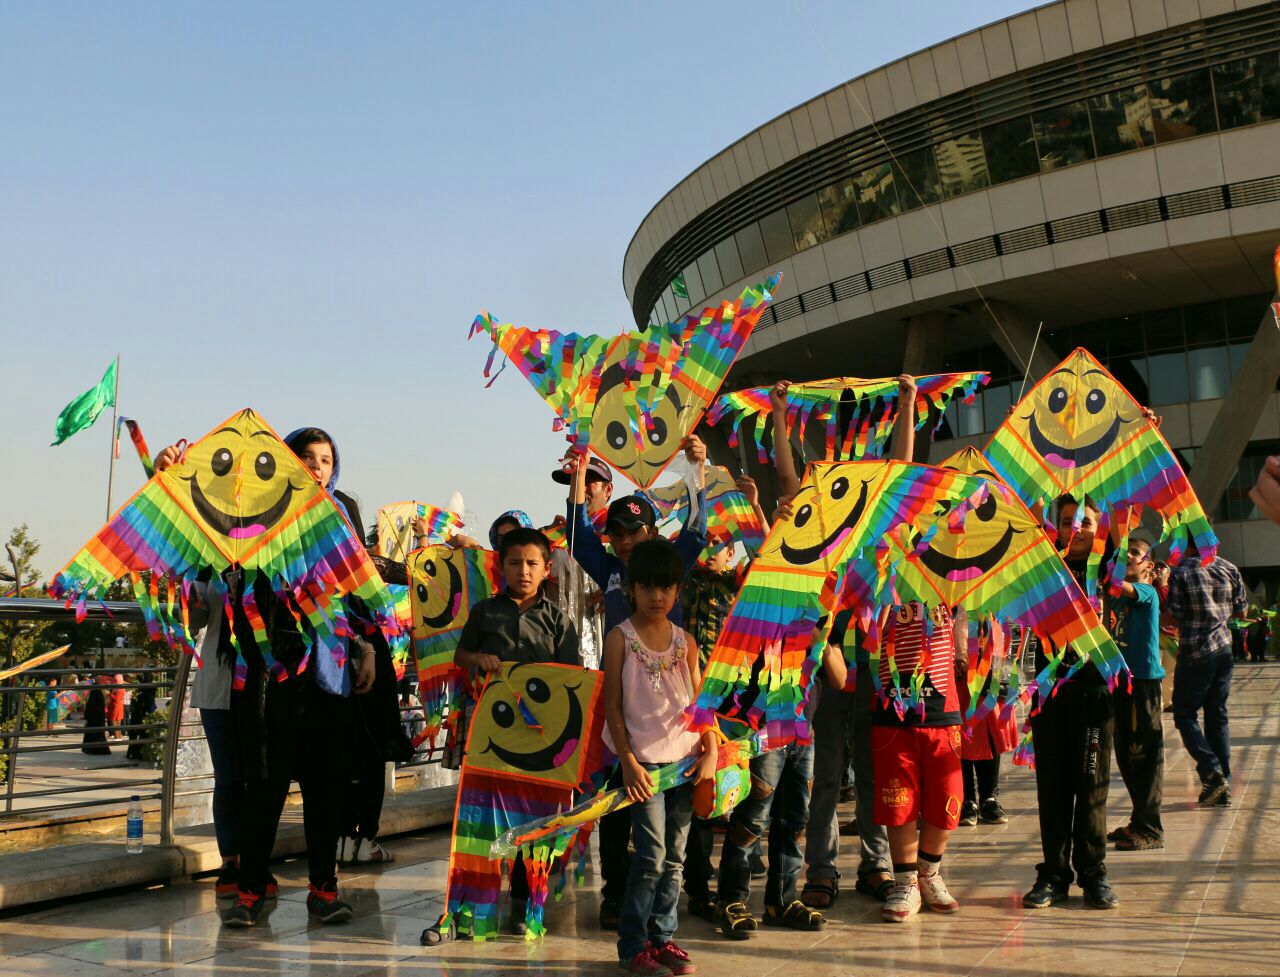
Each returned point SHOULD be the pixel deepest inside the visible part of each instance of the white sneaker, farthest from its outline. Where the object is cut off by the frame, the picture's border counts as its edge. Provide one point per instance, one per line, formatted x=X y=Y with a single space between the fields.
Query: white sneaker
x=902 y=903
x=371 y=851
x=347 y=848
x=935 y=894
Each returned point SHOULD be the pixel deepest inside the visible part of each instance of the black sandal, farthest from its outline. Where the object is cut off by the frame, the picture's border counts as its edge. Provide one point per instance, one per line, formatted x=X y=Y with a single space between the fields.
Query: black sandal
x=437 y=934
x=879 y=891
x=736 y=921
x=796 y=916
x=820 y=893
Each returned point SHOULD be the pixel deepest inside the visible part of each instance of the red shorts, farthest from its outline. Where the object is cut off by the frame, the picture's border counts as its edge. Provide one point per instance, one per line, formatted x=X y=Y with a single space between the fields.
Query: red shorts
x=917 y=772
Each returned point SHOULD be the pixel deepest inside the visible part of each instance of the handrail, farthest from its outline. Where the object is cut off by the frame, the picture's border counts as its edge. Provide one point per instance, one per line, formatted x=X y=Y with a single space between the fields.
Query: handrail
x=169 y=767
x=43 y=609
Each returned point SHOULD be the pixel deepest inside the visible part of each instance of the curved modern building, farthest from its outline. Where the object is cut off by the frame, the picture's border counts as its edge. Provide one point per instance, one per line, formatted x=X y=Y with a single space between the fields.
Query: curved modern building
x=1097 y=173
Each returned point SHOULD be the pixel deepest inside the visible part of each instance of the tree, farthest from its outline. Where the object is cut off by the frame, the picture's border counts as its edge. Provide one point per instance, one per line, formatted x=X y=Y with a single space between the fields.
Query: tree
x=20 y=578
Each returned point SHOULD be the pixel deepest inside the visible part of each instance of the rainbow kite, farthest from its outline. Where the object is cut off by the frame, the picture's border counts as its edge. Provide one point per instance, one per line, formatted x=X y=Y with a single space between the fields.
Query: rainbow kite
x=238 y=498
x=395 y=527
x=866 y=408
x=728 y=511
x=632 y=398
x=1079 y=432
x=444 y=584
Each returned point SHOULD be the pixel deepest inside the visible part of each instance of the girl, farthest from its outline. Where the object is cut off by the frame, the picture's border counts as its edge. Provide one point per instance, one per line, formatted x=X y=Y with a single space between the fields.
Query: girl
x=651 y=673
x=983 y=742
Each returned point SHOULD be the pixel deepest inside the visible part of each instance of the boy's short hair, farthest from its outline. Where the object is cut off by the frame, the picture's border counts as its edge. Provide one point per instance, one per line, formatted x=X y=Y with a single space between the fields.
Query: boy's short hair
x=1068 y=499
x=524 y=537
x=655 y=563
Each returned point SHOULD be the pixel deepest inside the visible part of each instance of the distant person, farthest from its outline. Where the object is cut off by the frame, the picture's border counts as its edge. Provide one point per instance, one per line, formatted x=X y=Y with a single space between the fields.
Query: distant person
x=119 y=640
x=142 y=705
x=94 y=741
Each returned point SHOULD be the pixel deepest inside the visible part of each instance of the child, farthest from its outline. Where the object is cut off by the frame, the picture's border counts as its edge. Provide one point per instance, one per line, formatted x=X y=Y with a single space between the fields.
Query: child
x=1072 y=735
x=630 y=521
x=1139 y=735
x=651 y=673
x=981 y=747
x=518 y=625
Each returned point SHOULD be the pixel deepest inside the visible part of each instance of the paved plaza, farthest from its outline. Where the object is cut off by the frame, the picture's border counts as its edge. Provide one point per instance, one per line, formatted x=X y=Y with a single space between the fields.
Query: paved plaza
x=1209 y=904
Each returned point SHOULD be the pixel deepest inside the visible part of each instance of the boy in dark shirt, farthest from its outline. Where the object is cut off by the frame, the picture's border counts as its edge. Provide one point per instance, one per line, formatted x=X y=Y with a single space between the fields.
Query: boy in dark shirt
x=518 y=625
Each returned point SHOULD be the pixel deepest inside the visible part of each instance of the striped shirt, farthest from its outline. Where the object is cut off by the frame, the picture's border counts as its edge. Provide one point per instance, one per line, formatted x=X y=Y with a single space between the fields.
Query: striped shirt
x=906 y=628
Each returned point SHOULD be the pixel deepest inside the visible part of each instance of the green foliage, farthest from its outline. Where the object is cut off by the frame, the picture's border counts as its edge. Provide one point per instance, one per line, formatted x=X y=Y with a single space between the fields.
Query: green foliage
x=157 y=723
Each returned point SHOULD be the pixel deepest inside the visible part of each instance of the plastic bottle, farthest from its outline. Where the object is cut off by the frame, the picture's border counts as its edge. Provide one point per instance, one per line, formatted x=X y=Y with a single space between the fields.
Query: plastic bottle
x=133 y=830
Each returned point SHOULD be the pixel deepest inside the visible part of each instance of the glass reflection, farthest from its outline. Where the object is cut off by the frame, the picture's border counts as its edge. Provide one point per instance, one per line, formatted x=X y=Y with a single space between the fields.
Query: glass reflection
x=730 y=264
x=916 y=176
x=839 y=207
x=1210 y=372
x=807 y=226
x=877 y=197
x=962 y=165
x=751 y=248
x=1247 y=91
x=1182 y=106
x=1168 y=373
x=1121 y=120
x=693 y=284
x=1011 y=150
x=710 y=272
x=776 y=230
x=1063 y=135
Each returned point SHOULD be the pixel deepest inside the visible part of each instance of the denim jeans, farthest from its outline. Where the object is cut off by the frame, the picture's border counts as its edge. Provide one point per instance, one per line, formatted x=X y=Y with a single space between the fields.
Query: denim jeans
x=659 y=829
x=228 y=780
x=779 y=804
x=1204 y=684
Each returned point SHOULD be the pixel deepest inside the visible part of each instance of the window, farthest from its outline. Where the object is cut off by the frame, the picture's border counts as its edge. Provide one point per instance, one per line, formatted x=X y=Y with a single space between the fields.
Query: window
x=1132 y=375
x=1210 y=372
x=1168 y=373
x=1011 y=150
x=1164 y=329
x=916 y=176
x=996 y=402
x=1247 y=91
x=730 y=264
x=969 y=420
x=1063 y=135
x=877 y=197
x=667 y=306
x=1182 y=106
x=839 y=207
x=1204 y=324
x=1236 y=506
x=1124 y=335
x=1245 y=314
x=1238 y=351
x=751 y=249
x=1121 y=120
x=807 y=227
x=962 y=165
x=776 y=229
x=710 y=273
x=693 y=284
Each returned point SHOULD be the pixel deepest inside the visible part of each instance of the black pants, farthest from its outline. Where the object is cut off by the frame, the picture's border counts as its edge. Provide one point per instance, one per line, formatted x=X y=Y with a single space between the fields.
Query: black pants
x=362 y=796
x=697 y=859
x=1140 y=752
x=1072 y=737
x=615 y=859
x=981 y=779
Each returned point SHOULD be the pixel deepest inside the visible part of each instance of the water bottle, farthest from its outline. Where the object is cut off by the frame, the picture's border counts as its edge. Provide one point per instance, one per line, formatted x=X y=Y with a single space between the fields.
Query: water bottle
x=133 y=832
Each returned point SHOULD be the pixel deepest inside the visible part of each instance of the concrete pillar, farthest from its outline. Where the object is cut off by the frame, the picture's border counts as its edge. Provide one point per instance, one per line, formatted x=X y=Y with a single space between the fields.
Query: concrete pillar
x=1015 y=333
x=1218 y=458
x=926 y=353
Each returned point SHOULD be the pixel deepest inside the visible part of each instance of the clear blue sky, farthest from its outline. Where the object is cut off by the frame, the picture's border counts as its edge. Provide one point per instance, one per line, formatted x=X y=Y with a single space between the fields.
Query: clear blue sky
x=300 y=208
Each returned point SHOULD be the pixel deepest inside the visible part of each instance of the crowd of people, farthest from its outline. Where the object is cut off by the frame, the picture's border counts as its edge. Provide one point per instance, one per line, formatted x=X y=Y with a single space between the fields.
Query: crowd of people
x=648 y=611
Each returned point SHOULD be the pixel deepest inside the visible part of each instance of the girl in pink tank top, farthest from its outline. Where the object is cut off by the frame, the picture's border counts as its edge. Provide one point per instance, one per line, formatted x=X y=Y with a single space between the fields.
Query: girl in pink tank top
x=650 y=677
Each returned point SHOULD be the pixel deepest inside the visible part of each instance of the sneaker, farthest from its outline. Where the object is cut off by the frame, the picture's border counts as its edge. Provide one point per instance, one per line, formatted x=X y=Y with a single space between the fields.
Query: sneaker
x=992 y=812
x=609 y=913
x=1139 y=842
x=736 y=921
x=644 y=964
x=273 y=887
x=323 y=904
x=1120 y=833
x=245 y=912
x=933 y=891
x=1225 y=799
x=347 y=847
x=1211 y=791
x=673 y=958
x=516 y=925
x=228 y=882
x=1099 y=895
x=1044 y=894
x=758 y=867
x=903 y=902
x=969 y=814
x=368 y=850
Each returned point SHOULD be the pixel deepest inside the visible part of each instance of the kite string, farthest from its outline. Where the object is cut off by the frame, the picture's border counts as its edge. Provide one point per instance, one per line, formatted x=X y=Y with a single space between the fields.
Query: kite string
x=1031 y=358
x=901 y=171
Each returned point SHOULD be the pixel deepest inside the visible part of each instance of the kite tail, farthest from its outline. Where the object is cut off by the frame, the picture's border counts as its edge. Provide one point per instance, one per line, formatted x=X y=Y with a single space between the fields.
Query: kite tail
x=1025 y=754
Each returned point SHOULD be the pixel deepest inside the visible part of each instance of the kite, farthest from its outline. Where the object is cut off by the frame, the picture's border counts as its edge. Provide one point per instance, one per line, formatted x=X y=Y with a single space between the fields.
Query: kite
x=871 y=406
x=395 y=527
x=238 y=498
x=139 y=443
x=1078 y=432
x=535 y=739
x=32 y=662
x=632 y=398
x=444 y=584
x=558 y=532
x=728 y=510
x=859 y=534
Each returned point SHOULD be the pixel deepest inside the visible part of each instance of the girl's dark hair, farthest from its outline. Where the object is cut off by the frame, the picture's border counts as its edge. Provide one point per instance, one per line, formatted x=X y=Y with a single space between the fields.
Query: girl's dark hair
x=521 y=536
x=301 y=440
x=655 y=563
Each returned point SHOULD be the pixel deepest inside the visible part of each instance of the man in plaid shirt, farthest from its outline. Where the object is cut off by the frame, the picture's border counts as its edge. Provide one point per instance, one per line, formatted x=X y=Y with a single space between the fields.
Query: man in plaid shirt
x=1203 y=598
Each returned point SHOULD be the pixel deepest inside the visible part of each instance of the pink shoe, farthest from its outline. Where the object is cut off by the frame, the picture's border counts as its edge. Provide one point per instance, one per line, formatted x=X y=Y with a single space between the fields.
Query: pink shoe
x=674 y=959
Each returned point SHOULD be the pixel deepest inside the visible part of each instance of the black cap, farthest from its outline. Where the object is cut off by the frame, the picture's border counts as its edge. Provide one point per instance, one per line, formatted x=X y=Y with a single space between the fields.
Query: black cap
x=595 y=467
x=631 y=512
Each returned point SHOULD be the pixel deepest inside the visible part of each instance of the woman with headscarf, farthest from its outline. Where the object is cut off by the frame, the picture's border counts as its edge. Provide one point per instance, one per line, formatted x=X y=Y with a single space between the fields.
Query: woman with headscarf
x=95 y=720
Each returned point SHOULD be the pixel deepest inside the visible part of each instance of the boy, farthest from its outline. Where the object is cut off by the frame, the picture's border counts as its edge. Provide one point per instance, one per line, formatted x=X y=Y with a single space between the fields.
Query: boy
x=1139 y=737
x=518 y=625
x=1072 y=734
x=630 y=520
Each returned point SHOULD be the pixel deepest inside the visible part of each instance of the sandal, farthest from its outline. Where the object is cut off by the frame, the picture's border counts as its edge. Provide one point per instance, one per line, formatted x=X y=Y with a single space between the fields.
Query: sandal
x=879 y=891
x=438 y=933
x=796 y=916
x=1137 y=842
x=736 y=921
x=1124 y=831
x=820 y=893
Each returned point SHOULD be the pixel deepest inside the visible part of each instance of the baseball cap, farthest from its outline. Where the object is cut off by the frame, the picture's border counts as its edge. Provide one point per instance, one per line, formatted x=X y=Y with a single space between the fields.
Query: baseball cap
x=595 y=467
x=631 y=512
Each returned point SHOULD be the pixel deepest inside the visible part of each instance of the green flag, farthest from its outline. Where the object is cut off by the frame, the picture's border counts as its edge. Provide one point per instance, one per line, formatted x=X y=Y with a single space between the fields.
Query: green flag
x=84 y=410
x=678 y=288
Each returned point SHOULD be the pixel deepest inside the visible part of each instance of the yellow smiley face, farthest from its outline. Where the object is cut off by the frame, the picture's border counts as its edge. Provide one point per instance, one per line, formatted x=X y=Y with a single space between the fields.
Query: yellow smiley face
x=641 y=447
x=535 y=721
x=241 y=485
x=1076 y=414
x=824 y=514
x=438 y=589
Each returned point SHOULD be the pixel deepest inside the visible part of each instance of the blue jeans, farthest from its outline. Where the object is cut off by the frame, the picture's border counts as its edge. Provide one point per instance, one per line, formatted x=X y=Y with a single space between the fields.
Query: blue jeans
x=1204 y=684
x=779 y=804
x=659 y=830
x=228 y=781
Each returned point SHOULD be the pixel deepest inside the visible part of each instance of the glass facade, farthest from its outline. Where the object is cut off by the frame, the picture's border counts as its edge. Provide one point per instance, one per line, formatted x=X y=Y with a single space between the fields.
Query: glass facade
x=1150 y=112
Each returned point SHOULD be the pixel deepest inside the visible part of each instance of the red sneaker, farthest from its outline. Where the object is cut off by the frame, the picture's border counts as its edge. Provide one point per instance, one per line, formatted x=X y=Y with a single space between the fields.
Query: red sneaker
x=674 y=959
x=644 y=964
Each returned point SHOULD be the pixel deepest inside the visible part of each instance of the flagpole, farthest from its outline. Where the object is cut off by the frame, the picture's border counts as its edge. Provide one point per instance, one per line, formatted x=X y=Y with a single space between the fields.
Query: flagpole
x=115 y=407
